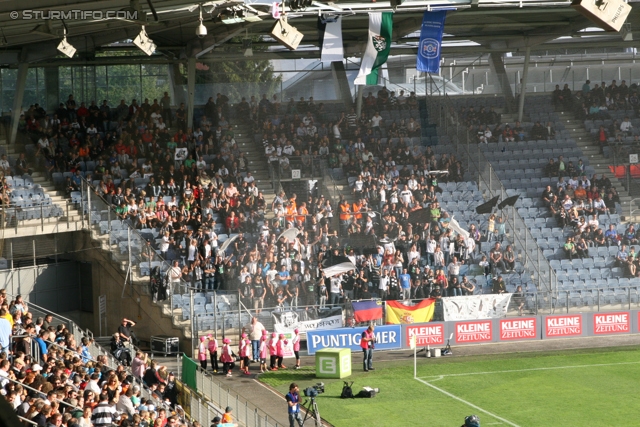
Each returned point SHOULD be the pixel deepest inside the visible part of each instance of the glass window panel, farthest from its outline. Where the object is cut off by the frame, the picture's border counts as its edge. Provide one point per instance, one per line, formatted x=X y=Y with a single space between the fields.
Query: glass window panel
x=123 y=83
x=155 y=69
x=101 y=87
x=153 y=87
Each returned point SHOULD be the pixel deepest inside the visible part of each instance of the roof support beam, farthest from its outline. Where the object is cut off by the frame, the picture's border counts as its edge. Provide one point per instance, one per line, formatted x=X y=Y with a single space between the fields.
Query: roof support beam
x=523 y=83
x=191 y=88
x=202 y=46
x=21 y=82
x=500 y=74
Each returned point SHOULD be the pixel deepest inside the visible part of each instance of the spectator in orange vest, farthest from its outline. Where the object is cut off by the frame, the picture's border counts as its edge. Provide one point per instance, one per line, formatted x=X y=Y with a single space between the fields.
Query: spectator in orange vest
x=357 y=206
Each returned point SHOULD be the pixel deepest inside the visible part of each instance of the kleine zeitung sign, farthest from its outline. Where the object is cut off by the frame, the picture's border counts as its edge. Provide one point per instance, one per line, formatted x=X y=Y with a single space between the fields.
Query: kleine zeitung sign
x=426 y=334
x=611 y=323
x=518 y=329
x=478 y=331
x=563 y=326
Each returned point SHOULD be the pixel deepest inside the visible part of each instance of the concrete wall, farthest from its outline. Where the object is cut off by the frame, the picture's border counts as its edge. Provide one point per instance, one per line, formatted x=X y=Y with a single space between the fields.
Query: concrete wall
x=56 y=287
x=109 y=280
x=72 y=288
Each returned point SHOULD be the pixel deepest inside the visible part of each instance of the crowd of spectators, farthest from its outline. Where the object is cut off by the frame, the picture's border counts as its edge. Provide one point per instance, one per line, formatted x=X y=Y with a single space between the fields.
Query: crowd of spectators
x=618 y=104
x=595 y=101
x=302 y=131
x=575 y=201
x=578 y=205
x=52 y=380
x=193 y=184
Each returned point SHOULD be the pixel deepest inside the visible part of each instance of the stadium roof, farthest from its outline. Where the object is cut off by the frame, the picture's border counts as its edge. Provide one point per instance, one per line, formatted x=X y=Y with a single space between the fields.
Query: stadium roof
x=495 y=25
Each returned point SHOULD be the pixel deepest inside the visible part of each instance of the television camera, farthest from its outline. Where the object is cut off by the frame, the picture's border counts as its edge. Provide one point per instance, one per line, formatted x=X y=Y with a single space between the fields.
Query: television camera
x=314 y=390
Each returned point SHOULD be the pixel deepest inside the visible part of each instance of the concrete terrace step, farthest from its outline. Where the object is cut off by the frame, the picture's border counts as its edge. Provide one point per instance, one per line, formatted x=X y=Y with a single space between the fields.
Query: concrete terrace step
x=591 y=150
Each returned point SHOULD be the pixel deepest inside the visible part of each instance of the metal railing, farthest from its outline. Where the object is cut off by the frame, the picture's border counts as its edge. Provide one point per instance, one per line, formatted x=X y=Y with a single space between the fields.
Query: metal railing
x=245 y=412
x=24 y=420
x=127 y=245
x=78 y=333
x=309 y=166
x=46 y=213
x=580 y=300
x=633 y=207
x=443 y=112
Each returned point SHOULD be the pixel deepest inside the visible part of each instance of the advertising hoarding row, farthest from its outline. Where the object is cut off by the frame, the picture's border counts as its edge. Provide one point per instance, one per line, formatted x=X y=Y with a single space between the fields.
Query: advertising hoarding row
x=393 y=337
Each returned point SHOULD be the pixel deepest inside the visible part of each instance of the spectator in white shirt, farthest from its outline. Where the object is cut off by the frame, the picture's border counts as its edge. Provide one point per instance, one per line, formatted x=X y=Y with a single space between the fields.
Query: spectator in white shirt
x=406 y=196
x=402 y=100
x=412 y=183
x=288 y=149
x=626 y=126
x=376 y=120
x=91 y=130
x=573 y=181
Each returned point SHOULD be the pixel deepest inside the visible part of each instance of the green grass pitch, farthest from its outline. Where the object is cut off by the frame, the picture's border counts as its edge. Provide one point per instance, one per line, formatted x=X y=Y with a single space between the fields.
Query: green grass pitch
x=567 y=388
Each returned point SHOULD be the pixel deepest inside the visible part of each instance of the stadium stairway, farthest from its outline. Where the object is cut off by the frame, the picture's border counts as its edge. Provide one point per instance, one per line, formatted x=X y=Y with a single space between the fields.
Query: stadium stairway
x=591 y=150
x=520 y=166
x=59 y=216
x=159 y=318
x=258 y=164
x=172 y=318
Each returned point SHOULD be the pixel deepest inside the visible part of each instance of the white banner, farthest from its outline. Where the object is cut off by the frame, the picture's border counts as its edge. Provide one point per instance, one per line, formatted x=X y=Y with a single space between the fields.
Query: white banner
x=332 y=49
x=454 y=226
x=476 y=307
x=289 y=320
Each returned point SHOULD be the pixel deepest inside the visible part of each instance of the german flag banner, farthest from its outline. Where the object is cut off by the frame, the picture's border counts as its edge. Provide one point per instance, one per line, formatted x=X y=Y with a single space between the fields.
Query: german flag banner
x=398 y=313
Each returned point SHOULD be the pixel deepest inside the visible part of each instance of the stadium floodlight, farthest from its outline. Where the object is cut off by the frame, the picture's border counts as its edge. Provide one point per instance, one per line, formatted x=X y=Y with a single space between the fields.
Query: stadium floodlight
x=144 y=43
x=65 y=47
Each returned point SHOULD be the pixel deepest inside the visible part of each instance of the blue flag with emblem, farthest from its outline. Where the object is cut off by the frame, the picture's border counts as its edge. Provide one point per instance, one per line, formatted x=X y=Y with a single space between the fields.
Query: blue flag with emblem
x=431 y=41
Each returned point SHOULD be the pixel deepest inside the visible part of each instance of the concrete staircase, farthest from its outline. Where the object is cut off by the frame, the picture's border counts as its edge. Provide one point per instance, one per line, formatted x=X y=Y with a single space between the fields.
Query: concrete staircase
x=109 y=256
x=258 y=164
x=140 y=284
x=591 y=151
x=71 y=219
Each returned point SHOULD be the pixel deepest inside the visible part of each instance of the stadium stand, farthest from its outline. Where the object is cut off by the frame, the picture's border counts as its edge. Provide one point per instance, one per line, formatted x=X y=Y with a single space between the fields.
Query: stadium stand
x=50 y=369
x=573 y=213
x=203 y=208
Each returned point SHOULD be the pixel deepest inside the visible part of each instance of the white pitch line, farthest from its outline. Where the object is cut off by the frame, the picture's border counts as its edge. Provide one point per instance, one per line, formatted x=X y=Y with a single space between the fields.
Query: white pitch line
x=534 y=369
x=453 y=396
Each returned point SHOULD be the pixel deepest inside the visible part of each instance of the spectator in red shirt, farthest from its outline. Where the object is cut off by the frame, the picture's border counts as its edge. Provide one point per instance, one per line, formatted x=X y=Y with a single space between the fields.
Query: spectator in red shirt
x=83 y=111
x=233 y=223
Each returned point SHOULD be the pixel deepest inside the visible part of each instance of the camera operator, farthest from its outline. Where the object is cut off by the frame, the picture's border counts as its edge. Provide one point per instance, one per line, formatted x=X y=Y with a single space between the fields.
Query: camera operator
x=367 y=342
x=293 y=399
x=126 y=334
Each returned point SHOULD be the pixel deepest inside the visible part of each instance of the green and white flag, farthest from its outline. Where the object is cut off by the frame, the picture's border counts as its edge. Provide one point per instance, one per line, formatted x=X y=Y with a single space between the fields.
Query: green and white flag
x=378 y=47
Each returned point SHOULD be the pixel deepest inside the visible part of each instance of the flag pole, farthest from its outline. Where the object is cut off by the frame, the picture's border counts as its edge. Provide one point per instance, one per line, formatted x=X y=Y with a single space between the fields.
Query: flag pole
x=415 y=364
x=412 y=343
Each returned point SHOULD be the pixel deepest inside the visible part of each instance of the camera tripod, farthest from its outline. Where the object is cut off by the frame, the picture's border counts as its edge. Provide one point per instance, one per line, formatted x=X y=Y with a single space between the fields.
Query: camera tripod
x=312 y=415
